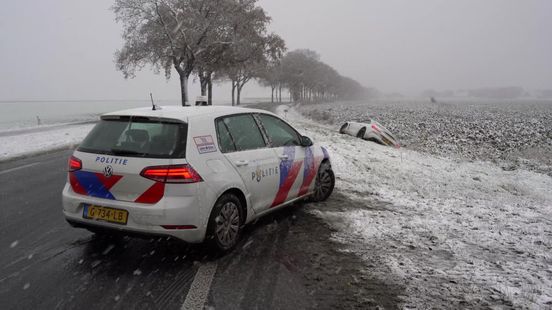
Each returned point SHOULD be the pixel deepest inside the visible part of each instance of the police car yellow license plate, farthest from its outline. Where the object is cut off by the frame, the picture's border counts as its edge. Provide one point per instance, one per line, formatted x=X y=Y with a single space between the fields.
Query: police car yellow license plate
x=105 y=214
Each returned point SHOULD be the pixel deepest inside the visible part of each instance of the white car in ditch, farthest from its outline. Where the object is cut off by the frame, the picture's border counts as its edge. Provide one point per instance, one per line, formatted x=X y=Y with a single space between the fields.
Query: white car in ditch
x=194 y=173
x=373 y=131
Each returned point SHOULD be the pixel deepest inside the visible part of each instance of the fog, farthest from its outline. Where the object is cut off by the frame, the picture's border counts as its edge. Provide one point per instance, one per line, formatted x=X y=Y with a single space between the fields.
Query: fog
x=63 y=49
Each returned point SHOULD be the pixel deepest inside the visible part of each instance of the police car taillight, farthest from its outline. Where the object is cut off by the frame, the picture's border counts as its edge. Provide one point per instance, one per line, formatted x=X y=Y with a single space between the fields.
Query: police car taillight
x=375 y=128
x=172 y=174
x=74 y=164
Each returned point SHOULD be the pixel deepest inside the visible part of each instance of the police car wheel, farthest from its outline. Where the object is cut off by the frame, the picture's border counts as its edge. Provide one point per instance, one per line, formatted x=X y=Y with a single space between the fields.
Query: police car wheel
x=361 y=133
x=324 y=183
x=225 y=223
x=342 y=129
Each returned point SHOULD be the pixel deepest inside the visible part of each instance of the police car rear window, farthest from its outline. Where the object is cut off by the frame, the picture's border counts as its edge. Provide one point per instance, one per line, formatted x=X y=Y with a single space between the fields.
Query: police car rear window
x=137 y=137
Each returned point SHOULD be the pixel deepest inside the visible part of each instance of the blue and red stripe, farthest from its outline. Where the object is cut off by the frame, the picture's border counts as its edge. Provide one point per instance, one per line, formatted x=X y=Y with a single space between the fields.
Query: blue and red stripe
x=289 y=170
x=309 y=172
x=93 y=184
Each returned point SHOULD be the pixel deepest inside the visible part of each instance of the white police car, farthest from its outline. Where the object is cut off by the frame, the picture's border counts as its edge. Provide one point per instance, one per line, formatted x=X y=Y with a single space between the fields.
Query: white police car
x=194 y=173
x=372 y=131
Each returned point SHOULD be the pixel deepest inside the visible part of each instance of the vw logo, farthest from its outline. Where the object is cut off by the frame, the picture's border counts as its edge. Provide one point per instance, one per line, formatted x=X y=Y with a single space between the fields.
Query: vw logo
x=108 y=171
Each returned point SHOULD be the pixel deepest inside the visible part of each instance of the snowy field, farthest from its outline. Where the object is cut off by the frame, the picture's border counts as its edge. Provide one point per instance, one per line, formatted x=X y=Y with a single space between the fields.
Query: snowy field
x=512 y=134
x=455 y=233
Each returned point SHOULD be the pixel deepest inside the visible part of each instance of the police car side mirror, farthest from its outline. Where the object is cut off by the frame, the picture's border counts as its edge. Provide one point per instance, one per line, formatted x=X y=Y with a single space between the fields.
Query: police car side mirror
x=306 y=141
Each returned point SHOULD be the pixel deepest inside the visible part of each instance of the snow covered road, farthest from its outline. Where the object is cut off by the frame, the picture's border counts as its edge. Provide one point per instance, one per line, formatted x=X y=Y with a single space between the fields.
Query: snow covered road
x=455 y=233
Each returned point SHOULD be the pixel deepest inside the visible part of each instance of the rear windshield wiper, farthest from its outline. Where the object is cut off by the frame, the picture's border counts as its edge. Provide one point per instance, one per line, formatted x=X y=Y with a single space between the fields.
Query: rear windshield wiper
x=127 y=152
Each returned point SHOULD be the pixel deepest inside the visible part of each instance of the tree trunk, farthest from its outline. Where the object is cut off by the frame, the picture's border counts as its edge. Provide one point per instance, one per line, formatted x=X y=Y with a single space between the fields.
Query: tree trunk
x=272 y=98
x=233 y=92
x=210 y=89
x=238 y=98
x=203 y=83
x=184 y=88
x=280 y=96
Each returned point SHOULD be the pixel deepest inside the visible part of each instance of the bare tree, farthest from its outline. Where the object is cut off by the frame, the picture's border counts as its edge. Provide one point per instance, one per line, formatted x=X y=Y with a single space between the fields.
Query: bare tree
x=252 y=47
x=271 y=78
x=169 y=34
x=256 y=56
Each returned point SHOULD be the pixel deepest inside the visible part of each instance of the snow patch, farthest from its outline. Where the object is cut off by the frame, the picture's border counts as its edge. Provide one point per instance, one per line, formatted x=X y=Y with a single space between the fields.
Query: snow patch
x=449 y=228
x=14 y=146
x=96 y=263
x=108 y=249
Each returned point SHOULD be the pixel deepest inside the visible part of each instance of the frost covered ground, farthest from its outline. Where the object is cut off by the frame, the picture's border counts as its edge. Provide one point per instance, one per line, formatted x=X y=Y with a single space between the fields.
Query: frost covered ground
x=455 y=233
x=513 y=134
x=21 y=143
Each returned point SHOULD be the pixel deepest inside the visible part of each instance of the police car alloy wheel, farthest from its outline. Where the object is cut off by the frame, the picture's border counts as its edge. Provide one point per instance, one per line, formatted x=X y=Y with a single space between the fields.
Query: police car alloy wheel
x=225 y=222
x=325 y=183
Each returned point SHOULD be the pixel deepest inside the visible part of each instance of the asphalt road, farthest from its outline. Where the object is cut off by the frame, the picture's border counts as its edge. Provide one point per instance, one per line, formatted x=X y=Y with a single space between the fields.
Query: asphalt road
x=284 y=261
x=46 y=264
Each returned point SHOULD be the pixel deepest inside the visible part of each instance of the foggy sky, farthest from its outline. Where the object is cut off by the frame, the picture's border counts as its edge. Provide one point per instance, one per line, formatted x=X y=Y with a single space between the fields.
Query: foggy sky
x=63 y=49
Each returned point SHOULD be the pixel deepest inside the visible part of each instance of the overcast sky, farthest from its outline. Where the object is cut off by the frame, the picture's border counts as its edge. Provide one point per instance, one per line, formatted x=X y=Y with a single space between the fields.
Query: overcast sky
x=63 y=49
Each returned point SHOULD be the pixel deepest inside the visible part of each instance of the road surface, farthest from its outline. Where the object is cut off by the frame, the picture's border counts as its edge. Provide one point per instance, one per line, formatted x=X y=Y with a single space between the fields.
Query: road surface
x=284 y=261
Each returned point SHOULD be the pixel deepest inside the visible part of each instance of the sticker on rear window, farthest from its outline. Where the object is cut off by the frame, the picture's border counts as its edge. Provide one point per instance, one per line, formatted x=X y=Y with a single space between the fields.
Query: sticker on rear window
x=205 y=144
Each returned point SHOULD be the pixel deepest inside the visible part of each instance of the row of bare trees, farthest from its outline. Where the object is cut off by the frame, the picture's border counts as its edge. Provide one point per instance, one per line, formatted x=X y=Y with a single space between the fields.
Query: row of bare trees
x=221 y=40
x=308 y=79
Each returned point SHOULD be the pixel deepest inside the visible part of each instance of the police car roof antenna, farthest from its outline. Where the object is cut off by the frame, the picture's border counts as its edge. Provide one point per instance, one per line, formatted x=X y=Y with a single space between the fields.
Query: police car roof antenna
x=154 y=107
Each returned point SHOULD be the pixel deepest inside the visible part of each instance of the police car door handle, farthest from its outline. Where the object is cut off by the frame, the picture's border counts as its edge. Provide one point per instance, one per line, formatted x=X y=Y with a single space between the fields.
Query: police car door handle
x=241 y=163
x=283 y=157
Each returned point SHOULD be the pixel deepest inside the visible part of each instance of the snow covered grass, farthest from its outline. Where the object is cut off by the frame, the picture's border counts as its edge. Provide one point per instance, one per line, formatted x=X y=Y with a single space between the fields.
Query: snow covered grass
x=454 y=233
x=18 y=145
x=515 y=134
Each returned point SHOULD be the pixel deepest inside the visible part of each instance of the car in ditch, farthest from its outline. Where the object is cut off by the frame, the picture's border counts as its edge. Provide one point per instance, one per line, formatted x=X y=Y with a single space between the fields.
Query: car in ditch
x=372 y=131
x=193 y=173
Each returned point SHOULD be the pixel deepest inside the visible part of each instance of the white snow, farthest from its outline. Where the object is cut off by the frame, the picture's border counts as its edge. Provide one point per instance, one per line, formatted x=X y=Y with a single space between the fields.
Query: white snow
x=13 y=146
x=95 y=263
x=108 y=249
x=445 y=229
